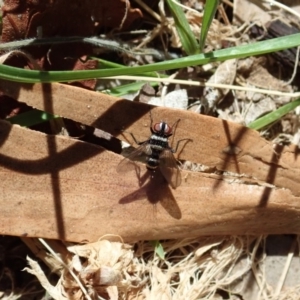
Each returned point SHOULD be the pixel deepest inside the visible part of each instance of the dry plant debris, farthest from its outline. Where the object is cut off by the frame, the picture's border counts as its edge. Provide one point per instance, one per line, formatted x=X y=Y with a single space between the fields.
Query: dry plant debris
x=198 y=268
x=58 y=18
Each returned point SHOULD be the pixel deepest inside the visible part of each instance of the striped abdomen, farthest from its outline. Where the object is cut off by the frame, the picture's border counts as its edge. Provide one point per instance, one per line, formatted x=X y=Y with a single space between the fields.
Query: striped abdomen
x=156 y=145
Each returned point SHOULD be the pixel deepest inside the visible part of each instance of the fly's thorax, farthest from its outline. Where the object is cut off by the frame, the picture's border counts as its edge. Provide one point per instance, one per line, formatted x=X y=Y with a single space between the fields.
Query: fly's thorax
x=158 y=142
x=159 y=138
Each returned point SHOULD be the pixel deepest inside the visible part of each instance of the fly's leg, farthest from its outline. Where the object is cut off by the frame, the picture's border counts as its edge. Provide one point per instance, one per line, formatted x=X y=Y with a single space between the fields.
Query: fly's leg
x=175 y=124
x=151 y=122
x=151 y=119
x=176 y=148
x=135 y=140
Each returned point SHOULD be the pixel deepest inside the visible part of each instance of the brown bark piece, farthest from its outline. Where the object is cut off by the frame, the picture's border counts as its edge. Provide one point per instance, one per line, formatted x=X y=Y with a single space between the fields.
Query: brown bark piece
x=56 y=187
x=216 y=143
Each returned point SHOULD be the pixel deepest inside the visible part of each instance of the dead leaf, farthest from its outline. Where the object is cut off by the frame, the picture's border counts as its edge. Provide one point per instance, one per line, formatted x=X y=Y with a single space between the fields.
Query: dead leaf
x=104 y=253
x=101 y=276
x=175 y=99
x=54 y=291
x=225 y=74
x=254 y=110
x=58 y=18
x=255 y=13
x=82 y=18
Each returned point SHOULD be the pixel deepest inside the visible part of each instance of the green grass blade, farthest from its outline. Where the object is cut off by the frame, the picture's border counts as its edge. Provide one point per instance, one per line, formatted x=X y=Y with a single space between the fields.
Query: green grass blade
x=158 y=249
x=274 y=115
x=129 y=88
x=208 y=16
x=111 y=65
x=126 y=88
x=258 y=48
x=31 y=118
x=186 y=35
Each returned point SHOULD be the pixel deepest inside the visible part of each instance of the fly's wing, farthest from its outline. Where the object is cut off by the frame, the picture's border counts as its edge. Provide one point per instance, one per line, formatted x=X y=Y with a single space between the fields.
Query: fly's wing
x=169 y=168
x=128 y=163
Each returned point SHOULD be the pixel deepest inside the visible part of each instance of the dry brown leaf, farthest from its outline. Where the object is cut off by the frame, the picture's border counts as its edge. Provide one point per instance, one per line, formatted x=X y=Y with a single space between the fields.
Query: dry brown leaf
x=254 y=12
x=215 y=242
x=82 y=18
x=45 y=19
x=175 y=99
x=112 y=292
x=225 y=74
x=54 y=291
x=197 y=269
x=104 y=253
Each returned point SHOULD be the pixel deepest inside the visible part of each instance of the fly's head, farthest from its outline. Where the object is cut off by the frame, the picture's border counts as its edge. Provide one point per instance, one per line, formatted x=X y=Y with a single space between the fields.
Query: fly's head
x=162 y=129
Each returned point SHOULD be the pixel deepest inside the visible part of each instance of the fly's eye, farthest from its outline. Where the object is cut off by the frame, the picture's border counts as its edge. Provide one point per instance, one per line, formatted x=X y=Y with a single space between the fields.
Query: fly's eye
x=157 y=127
x=167 y=129
x=162 y=127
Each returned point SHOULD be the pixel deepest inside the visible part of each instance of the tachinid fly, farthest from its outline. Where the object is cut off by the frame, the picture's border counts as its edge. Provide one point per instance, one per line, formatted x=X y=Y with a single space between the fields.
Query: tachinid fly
x=158 y=154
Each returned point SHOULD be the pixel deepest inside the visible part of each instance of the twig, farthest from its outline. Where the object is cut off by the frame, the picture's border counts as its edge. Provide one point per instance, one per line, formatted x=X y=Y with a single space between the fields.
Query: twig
x=94 y=40
x=286 y=267
x=42 y=241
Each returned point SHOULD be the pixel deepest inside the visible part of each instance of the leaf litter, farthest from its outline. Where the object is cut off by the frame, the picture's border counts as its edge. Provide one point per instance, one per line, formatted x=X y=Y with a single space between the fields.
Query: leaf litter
x=198 y=268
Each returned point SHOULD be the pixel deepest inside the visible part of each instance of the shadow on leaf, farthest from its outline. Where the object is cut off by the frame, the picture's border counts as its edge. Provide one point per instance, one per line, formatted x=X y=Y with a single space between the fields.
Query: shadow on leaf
x=155 y=188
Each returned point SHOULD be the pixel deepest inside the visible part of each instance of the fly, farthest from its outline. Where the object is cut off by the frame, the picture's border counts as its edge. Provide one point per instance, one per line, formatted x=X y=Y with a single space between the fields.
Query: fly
x=158 y=154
